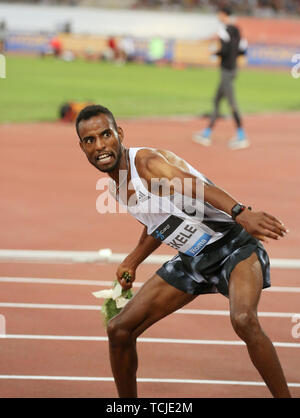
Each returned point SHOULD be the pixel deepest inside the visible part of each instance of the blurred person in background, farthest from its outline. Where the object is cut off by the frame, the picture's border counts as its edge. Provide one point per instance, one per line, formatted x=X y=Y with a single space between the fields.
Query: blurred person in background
x=156 y=50
x=3 y=34
x=231 y=47
x=56 y=46
x=127 y=49
x=112 y=51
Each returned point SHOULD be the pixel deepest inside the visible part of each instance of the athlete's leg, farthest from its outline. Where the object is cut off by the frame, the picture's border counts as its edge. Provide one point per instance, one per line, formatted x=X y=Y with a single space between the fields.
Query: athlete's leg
x=152 y=302
x=245 y=287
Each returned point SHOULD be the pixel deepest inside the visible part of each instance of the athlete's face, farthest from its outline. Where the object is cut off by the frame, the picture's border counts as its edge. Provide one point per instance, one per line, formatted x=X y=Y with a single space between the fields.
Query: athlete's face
x=101 y=142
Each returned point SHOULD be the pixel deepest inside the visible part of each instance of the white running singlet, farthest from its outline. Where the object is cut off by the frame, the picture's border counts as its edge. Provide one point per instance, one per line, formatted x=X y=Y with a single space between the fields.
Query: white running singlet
x=187 y=228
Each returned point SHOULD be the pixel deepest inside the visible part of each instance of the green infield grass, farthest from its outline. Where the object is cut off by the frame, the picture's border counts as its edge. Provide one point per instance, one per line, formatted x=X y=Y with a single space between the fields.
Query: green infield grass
x=34 y=89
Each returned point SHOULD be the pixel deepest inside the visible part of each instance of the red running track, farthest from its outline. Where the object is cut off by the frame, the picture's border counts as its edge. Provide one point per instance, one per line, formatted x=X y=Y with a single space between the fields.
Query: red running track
x=48 y=202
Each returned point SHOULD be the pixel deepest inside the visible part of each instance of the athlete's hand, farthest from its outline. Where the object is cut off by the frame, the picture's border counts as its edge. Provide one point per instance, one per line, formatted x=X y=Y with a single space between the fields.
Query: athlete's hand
x=124 y=279
x=261 y=225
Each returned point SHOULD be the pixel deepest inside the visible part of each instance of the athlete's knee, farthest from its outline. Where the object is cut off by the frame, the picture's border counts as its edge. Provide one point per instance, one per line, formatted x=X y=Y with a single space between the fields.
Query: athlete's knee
x=118 y=333
x=246 y=325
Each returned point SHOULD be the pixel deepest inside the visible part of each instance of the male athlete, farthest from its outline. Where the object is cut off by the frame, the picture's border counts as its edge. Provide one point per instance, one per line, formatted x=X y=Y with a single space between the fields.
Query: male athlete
x=218 y=247
x=232 y=45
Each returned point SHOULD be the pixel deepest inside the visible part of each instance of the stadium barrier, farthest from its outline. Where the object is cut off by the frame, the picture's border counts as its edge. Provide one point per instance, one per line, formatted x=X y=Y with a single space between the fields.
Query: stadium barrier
x=187 y=52
x=104 y=255
x=272 y=43
x=28 y=42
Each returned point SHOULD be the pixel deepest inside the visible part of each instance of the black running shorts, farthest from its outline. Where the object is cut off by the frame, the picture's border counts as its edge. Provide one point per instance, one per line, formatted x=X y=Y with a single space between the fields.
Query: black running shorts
x=209 y=271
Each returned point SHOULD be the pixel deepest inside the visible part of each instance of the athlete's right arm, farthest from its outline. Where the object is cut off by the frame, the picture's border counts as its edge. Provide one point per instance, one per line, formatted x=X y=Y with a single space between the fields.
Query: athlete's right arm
x=146 y=245
x=258 y=224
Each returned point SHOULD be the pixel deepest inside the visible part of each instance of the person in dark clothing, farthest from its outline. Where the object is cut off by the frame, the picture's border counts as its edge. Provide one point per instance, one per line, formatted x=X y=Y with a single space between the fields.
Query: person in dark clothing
x=232 y=45
x=3 y=36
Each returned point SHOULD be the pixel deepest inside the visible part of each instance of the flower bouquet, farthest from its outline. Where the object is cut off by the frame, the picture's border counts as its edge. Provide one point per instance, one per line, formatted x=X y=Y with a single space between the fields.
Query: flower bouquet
x=115 y=300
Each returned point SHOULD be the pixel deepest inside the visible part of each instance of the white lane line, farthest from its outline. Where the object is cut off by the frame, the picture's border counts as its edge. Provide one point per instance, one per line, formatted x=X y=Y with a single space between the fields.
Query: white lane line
x=284 y=289
x=104 y=255
x=38 y=280
x=141 y=380
x=49 y=306
x=226 y=313
x=142 y=340
x=180 y=311
x=61 y=281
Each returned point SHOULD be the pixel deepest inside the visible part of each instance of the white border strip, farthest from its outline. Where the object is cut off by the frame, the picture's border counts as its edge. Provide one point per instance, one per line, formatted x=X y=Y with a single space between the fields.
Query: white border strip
x=180 y=311
x=104 y=255
x=39 y=280
x=142 y=340
x=141 y=380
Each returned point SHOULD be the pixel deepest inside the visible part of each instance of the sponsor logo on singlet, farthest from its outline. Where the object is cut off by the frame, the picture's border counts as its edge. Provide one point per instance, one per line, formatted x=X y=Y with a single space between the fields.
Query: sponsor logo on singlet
x=142 y=197
x=181 y=235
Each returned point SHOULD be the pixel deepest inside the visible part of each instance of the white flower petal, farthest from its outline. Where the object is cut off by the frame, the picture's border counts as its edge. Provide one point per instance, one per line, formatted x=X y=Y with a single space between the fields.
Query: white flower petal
x=117 y=291
x=104 y=294
x=121 y=302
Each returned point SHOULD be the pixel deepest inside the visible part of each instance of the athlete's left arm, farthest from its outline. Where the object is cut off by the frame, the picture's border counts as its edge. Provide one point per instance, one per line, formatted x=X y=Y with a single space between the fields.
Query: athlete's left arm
x=146 y=246
x=258 y=224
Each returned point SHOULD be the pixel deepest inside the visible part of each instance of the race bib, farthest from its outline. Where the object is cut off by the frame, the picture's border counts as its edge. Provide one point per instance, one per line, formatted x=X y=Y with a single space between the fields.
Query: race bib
x=181 y=235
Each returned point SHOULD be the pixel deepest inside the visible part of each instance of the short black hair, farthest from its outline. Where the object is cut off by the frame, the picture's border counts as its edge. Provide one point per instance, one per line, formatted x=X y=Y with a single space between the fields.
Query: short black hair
x=93 y=110
x=226 y=10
